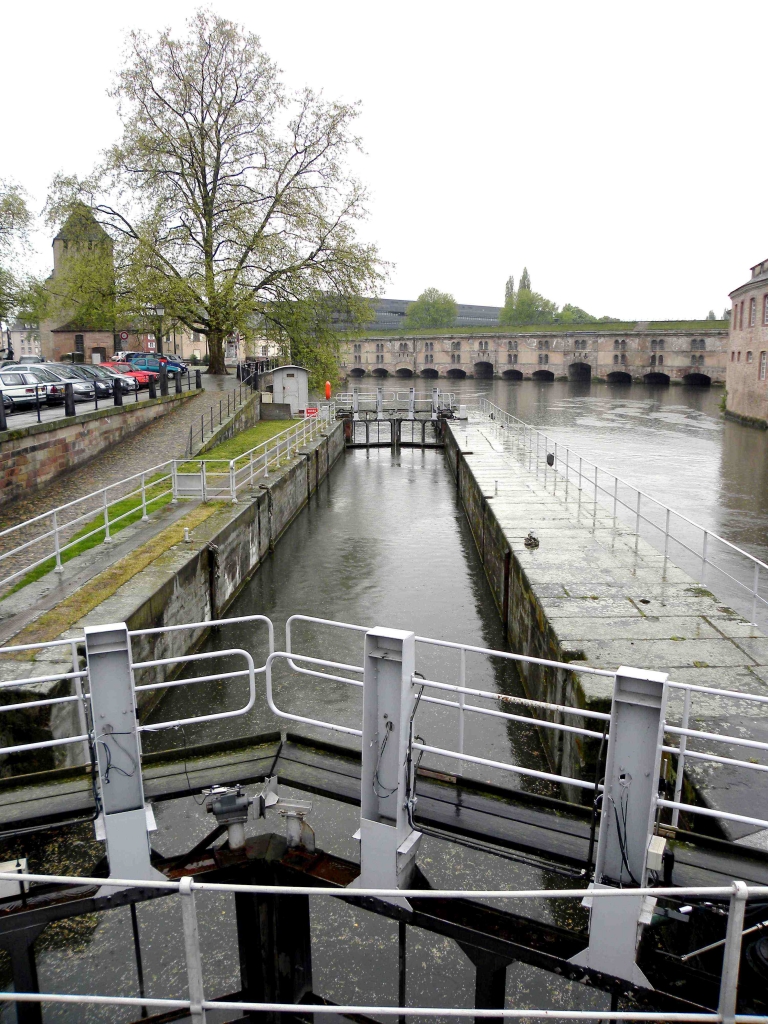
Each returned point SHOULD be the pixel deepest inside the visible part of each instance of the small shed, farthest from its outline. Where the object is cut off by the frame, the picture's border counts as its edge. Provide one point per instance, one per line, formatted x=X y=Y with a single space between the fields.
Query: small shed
x=291 y=387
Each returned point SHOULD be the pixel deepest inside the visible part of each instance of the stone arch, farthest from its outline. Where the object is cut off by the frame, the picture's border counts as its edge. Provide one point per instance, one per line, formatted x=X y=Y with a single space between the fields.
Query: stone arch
x=657 y=379
x=580 y=371
x=619 y=377
x=512 y=375
x=483 y=369
x=404 y=371
x=455 y=373
x=357 y=371
x=543 y=375
x=430 y=372
x=700 y=380
x=380 y=371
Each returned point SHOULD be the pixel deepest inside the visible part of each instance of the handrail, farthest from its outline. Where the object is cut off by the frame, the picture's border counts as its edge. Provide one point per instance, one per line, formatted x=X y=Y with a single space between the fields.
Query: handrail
x=568 y=464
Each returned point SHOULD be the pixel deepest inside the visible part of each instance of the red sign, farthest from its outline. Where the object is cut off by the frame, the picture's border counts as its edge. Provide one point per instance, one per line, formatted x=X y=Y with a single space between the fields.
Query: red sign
x=311 y=410
x=123 y=335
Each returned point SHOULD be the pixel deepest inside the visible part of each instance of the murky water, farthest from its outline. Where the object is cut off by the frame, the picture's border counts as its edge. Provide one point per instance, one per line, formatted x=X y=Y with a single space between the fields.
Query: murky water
x=385 y=543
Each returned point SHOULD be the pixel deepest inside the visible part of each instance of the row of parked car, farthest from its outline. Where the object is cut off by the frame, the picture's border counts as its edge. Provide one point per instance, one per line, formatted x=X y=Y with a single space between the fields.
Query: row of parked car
x=31 y=379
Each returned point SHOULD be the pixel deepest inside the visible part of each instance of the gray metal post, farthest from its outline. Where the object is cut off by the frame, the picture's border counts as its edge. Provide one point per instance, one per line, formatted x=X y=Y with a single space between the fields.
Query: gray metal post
x=633 y=763
x=379 y=403
x=388 y=844
x=729 y=977
x=69 y=399
x=412 y=404
x=3 y=421
x=355 y=404
x=116 y=738
x=117 y=392
x=435 y=403
x=192 y=951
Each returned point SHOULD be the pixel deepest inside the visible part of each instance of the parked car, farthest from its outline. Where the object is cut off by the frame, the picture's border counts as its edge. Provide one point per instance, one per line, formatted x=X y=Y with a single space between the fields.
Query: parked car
x=22 y=388
x=56 y=375
x=142 y=376
x=173 y=363
x=129 y=382
x=103 y=387
x=27 y=360
x=155 y=364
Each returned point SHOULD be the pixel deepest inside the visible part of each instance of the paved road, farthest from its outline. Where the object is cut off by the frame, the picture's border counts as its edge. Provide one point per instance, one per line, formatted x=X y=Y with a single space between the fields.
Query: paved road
x=164 y=439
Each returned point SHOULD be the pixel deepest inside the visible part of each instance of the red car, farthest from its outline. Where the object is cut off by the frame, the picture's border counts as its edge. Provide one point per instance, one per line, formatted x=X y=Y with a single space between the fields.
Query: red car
x=141 y=376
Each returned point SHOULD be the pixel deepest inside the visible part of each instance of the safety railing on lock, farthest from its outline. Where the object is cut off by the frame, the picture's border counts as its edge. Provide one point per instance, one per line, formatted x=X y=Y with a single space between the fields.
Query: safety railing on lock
x=546 y=715
x=195 y=1003
x=710 y=558
x=50 y=539
x=219 y=413
x=78 y=676
x=397 y=399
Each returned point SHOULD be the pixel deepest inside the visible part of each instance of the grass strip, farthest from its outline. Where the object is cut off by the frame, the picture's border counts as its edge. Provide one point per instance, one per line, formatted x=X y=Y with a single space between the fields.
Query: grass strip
x=53 y=623
x=602 y=327
x=262 y=431
x=132 y=506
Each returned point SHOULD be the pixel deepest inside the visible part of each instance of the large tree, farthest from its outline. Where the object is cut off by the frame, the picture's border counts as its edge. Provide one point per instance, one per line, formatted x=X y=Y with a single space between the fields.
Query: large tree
x=228 y=198
x=433 y=308
x=15 y=220
x=509 y=289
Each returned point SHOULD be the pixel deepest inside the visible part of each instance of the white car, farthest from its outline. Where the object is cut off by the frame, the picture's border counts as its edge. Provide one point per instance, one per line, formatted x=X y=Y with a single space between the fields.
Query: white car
x=20 y=388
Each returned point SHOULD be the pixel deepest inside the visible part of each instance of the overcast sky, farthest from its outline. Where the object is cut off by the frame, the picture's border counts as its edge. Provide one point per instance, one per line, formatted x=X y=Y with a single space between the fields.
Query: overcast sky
x=617 y=150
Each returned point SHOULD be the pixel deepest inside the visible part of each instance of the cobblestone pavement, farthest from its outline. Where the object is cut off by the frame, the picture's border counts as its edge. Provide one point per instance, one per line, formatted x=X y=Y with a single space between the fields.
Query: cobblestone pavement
x=162 y=440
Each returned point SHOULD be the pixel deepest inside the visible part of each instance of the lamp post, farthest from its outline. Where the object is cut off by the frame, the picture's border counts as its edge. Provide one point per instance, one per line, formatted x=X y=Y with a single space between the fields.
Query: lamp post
x=159 y=312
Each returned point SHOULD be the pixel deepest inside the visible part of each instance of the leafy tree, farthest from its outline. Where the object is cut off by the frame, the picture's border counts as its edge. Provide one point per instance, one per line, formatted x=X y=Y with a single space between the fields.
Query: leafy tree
x=726 y=314
x=574 y=315
x=226 y=197
x=525 y=280
x=711 y=315
x=433 y=308
x=509 y=290
x=15 y=220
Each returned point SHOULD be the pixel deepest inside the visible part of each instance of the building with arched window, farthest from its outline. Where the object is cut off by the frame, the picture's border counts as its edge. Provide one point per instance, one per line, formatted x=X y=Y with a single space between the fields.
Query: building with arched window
x=746 y=383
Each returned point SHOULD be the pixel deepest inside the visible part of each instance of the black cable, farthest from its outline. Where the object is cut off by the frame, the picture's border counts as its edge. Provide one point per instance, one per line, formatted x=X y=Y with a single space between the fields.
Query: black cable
x=186 y=773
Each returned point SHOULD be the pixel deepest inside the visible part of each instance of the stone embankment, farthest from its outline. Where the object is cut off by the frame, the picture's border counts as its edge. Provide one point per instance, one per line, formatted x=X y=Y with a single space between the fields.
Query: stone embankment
x=592 y=593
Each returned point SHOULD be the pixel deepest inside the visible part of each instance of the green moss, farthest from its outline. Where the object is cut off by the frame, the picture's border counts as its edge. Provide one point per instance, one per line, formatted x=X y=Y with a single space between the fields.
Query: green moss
x=605 y=327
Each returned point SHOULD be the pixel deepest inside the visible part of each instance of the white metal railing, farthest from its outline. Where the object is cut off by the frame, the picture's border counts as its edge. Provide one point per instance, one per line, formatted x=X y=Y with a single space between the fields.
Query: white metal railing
x=685 y=542
x=81 y=696
x=560 y=717
x=415 y=401
x=195 y=1002
x=549 y=715
x=59 y=530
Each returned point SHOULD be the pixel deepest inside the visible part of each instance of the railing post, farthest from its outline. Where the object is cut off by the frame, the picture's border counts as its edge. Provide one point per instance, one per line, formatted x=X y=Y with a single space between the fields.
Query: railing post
x=435 y=403
x=192 y=951
x=755 y=592
x=729 y=977
x=232 y=481
x=203 y=481
x=57 y=543
x=3 y=420
x=144 y=516
x=682 y=744
x=107 y=537
x=704 y=557
x=567 y=471
x=174 y=483
x=615 y=498
x=462 y=702
x=81 y=716
x=637 y=516
x=251 y=467
x=666 y=535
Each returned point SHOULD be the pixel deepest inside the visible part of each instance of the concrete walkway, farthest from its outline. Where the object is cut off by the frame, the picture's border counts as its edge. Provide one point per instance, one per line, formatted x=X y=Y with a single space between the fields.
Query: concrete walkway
x=610 y=599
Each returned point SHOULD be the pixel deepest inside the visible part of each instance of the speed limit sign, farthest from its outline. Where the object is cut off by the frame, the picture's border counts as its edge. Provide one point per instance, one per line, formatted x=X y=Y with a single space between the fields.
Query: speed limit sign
x=123 y=335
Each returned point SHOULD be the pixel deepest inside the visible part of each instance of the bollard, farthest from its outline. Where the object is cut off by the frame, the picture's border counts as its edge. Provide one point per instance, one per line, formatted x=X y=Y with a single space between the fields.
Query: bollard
x=37 y=401
x=198 y=379
x=177 y=375
x=69 y=399
x=163 y=381
x=118 y=391
x=152 y=388
x=3 y=421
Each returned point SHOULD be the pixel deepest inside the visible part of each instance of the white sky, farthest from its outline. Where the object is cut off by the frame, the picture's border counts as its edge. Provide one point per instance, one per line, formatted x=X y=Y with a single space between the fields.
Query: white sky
x=617 y=150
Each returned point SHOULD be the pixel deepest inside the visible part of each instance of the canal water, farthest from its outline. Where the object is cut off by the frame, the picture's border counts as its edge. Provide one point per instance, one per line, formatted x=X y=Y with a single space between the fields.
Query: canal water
x=385 y=542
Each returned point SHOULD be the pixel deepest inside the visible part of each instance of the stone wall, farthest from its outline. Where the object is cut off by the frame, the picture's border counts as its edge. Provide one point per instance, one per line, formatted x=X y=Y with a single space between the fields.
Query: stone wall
x=31 y=456
x=747 y=367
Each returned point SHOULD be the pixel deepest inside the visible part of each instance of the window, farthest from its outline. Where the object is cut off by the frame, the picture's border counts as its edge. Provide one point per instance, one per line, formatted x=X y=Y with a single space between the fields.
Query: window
x=455 y=357
x=694 y=360
x=653 y=360
x=653 y=346
x=512 y=357
x=380 y=358
x=79 y=343
x=512 y=345
x=741 y=315
x=736 y=314
x=661 y=360
x=763 y=360
x=482 y=346
x=403 y=347
x=623 y=346
x=544 y=343
x=661 y=344
x=379 y=346
x=429 y=358
x=765 y=309
x=455 y=346
x=617 y=346
x=701 y=360
x=732 y=355
x=738 y=357
x=429 y=346
x=752 y=312
x=623 y=357
x=616 y=359
x=749 y=357
x=543 y=359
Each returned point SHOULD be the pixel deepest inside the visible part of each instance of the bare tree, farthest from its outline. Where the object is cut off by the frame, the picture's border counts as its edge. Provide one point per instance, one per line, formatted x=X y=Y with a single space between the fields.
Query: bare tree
x=227 y=198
